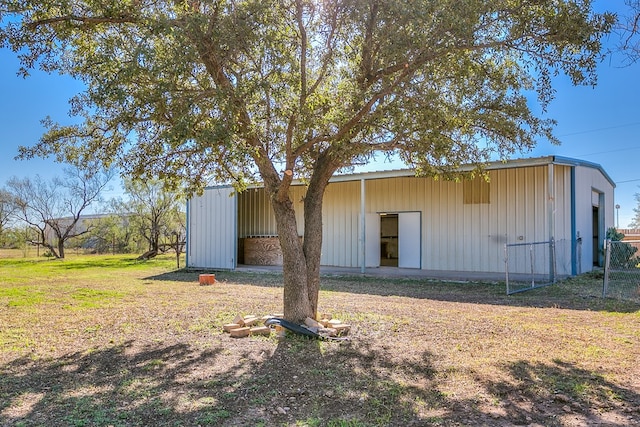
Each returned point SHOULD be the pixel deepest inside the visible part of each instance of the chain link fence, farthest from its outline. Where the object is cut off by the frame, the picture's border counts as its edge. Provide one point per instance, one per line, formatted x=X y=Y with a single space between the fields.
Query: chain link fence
x=529 y=265
x=622 y=270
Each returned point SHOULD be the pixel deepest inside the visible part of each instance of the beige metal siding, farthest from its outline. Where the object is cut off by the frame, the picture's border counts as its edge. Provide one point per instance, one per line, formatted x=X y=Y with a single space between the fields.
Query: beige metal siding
x=255 y=214
x=469 y=237
x=589 y=180
x=341 y=224
x=562 y=218
x=454 y=235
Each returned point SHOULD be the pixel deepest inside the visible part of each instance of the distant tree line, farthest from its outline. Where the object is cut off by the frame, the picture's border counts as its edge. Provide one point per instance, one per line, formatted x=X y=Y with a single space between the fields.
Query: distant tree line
x=69 y=213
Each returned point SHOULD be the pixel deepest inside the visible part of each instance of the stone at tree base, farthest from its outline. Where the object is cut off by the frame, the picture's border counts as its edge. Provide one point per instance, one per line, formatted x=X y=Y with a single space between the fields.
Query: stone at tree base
x=251 y=320
x=312 y=323
x=230 y=326
x=328 y=332
x=240 y=332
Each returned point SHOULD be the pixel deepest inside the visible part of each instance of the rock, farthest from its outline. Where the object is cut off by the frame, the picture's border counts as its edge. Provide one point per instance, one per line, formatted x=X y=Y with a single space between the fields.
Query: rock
x=229 y=326
x=280 y=410
x=567 y=409
x=562 y=398
x=311 y=323
x=240 y=332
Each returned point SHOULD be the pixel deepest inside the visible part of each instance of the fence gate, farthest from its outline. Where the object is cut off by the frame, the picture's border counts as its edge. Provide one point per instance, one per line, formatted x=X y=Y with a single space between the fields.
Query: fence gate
x=529 y=265
x=622 y=270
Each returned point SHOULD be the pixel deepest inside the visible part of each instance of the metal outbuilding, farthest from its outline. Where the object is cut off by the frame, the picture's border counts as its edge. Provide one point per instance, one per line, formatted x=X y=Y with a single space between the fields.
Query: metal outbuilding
x=394 y=218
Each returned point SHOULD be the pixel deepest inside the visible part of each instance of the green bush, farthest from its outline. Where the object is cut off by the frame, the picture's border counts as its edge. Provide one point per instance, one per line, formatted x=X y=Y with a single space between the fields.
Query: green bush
x=622 y=255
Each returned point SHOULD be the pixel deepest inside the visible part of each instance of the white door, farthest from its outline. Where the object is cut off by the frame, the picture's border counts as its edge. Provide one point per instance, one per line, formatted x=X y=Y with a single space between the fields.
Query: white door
x=212 y=229
x=372 y=240
x=409 y=232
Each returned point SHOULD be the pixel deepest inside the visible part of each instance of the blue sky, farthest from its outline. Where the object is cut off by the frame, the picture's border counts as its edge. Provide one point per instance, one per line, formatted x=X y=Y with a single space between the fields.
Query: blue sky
x=600 y=125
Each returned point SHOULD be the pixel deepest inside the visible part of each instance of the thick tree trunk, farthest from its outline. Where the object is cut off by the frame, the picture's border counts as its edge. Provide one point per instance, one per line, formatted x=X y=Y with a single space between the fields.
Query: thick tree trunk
x=297 y=306
x=301 y=260
x=312 y=244
x=61 y=248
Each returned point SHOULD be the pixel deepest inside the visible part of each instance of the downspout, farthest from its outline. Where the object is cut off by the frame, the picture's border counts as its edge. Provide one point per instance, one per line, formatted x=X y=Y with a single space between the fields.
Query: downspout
x=362 y=227
x=234 y=261
x=574 y=227
x=188 y=233
x=551 y=213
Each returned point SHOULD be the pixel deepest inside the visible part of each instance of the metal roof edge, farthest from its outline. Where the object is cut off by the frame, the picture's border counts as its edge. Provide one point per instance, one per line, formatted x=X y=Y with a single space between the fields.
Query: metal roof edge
x=495 y=165
x=569 y=161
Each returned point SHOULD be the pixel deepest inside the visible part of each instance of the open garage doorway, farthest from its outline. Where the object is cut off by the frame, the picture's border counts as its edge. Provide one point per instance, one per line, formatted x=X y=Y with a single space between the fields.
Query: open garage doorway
x=394 y=240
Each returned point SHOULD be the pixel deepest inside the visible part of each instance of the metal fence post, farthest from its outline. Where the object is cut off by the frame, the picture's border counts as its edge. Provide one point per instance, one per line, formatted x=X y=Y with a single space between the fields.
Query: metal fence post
x=533 y=263
x=607 y=266
x=552 y=266
x=506 y=266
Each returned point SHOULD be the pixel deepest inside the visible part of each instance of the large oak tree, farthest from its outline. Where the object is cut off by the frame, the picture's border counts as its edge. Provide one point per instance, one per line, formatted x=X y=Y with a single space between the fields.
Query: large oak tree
x=274 y=90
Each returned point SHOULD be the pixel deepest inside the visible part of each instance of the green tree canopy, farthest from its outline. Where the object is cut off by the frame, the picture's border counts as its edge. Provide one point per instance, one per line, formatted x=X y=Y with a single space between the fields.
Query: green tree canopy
x=272 y=90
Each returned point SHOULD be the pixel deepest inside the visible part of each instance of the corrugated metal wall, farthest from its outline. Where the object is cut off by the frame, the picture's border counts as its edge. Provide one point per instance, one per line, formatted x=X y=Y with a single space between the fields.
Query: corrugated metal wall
x=589 y=181
x=211 y=229
x=255 y=215
x=341 y=224
x=470 y=237
x=455 y=236
x=562 y=218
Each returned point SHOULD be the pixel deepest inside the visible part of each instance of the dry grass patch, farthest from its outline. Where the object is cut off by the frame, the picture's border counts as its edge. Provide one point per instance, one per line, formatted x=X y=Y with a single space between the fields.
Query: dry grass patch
x=106 y=341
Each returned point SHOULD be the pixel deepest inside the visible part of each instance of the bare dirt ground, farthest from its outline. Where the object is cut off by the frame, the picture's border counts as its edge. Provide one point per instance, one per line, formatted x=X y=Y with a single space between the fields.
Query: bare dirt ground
x=146 y=347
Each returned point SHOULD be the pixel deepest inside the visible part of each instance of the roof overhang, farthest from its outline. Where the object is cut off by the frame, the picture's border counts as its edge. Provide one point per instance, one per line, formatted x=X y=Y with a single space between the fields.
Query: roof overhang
x=507 y=164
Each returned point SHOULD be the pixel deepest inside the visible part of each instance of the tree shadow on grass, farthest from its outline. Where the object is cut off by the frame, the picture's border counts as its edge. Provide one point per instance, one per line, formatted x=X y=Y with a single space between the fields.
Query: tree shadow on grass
x=562 y=393
x=568 y=294
x=293 y=382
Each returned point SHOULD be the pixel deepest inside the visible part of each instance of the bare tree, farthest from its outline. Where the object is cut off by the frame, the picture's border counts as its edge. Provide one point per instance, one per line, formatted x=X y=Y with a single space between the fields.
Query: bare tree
x=629 y=28
x=54 y=208
x=154 y=212
x=7 y=209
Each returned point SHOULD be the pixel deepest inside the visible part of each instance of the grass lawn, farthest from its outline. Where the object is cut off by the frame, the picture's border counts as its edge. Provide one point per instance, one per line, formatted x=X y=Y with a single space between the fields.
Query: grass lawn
x=110 y=341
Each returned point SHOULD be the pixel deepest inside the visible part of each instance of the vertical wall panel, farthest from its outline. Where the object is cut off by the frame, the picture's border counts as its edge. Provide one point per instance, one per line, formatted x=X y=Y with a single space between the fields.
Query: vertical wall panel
x=211 y=229
x=255 y=214
x=587 y=181
x=341 y=216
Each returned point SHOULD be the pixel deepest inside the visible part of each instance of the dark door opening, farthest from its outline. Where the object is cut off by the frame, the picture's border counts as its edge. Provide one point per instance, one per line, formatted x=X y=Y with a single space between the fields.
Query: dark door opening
x=389 y=240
